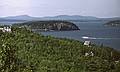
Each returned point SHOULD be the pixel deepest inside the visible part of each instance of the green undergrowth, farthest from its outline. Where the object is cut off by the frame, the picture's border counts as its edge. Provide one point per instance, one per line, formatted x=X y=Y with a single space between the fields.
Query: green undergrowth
x=25 y=51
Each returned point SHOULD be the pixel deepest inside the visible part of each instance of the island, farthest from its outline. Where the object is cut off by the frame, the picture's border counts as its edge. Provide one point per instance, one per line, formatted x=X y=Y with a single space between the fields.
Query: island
x=115 y=23
x=51 y=25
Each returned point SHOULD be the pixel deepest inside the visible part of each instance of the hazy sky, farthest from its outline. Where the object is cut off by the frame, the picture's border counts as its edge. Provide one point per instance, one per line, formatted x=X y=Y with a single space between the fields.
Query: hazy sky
x=98 y=8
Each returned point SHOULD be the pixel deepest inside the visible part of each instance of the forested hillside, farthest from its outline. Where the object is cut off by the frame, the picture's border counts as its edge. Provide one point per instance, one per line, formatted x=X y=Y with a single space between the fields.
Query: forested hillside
x=25 y=51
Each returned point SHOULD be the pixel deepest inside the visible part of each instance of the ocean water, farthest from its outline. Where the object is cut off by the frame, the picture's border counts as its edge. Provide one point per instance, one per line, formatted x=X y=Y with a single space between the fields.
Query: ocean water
x=93 y=31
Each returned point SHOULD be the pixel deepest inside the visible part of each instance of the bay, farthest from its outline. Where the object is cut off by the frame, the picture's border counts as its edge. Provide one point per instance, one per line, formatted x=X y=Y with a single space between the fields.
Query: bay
x=95 y=32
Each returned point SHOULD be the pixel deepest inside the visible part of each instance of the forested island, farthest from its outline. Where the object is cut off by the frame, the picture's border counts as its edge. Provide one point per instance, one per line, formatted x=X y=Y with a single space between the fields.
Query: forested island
x=22 y=50
x=115 y=23
x=51 y=25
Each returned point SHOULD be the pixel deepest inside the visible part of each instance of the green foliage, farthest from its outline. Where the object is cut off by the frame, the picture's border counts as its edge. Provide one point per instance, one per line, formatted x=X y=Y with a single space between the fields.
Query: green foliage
x=26 y=51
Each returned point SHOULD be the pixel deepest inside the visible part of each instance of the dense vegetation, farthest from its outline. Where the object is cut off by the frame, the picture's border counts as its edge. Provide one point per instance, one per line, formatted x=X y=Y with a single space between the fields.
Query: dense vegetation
x=49 y=25
x=115 y=23
x=24 y=51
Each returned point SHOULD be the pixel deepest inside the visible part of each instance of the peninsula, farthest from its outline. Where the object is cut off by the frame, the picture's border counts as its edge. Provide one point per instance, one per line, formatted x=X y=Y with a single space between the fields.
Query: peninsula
x=115 y=23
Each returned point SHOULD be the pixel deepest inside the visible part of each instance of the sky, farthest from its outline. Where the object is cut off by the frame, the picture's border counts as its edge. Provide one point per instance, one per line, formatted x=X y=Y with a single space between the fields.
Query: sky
x=40 y=8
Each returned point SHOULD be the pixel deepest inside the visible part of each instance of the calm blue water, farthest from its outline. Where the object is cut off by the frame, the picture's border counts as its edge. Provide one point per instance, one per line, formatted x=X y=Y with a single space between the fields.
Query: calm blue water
x=108 y=36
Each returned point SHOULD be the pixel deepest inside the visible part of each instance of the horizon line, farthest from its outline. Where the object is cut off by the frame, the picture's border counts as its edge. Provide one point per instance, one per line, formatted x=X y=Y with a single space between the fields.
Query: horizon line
x=57 y=15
